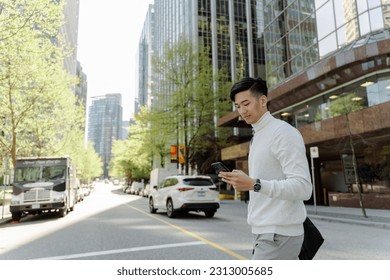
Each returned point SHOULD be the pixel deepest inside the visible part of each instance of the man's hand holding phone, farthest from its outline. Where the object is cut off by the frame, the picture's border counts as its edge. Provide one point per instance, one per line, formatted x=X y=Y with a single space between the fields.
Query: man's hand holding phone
x=237 y=178
x=219 y=166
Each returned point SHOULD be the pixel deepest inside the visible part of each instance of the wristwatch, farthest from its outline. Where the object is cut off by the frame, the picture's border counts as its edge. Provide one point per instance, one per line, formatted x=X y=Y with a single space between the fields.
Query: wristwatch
x=257 y=185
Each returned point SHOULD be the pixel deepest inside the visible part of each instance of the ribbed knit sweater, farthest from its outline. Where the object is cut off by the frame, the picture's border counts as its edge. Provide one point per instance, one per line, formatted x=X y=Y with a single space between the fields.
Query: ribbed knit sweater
x=277 y=157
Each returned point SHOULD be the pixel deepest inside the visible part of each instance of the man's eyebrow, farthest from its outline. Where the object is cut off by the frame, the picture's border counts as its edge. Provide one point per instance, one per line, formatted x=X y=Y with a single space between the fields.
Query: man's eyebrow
x=243 y=101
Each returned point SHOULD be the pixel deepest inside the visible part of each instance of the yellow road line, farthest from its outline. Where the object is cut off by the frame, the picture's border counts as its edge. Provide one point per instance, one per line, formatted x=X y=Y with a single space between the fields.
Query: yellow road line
x=212 y=244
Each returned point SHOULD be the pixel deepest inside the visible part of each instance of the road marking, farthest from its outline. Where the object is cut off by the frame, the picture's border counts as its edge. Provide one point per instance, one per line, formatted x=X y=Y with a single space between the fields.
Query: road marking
x=119 y=251
x=204 y=240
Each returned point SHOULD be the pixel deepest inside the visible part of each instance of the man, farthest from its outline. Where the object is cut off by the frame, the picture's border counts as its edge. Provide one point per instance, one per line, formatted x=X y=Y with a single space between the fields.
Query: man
x=279 y=178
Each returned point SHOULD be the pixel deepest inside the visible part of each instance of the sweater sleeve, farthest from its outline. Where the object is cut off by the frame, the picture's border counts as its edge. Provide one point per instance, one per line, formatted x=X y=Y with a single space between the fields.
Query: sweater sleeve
x=289 y=149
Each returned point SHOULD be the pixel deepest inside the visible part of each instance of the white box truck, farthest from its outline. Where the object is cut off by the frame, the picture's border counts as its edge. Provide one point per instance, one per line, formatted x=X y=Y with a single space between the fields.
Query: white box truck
x=43 y=185
x=158 y=174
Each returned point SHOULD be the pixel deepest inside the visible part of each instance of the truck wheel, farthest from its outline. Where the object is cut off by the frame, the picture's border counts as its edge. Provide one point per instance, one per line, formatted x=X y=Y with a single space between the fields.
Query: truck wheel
x=16 y=216
x=63 y=211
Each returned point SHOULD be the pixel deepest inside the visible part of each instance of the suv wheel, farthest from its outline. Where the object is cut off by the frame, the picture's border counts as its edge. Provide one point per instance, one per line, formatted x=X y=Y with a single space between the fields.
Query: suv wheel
x=210 y=213
x=170 y=210
x=151 y=206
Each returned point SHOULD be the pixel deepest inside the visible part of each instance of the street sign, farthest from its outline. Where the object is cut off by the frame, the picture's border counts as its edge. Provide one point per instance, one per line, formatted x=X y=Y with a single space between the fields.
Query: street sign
x=349 y=171
x=314 y=152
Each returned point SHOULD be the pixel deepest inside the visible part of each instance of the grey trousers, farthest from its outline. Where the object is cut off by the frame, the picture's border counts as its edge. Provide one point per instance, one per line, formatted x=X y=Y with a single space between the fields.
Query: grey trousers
x=272 y=246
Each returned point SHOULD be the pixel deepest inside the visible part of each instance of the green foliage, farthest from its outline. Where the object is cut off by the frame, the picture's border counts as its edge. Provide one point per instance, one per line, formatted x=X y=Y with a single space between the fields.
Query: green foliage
x=89 y=164
x=132 y=157
x=38 y=112
x=189 y=97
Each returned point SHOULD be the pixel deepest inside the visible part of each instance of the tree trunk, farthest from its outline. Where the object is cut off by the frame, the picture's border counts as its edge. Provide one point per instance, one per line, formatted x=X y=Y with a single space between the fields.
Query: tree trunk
x=355 y=169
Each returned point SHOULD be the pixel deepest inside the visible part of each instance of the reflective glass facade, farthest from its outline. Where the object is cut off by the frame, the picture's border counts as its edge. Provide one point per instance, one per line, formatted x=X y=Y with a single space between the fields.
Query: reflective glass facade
x=328 y=69
x=231 y=29
x=145 y=50
x=301 y=32
x=105 y=125
x=290 y=38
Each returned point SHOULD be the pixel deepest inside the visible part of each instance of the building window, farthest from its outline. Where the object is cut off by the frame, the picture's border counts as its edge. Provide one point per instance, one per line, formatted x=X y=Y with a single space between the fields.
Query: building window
x=376 y=19
x=325 y=15
x=328 y=44
x=360 y=95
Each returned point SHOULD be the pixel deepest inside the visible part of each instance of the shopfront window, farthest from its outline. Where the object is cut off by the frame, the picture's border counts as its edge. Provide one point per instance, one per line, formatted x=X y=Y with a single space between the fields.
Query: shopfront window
x=358 y=96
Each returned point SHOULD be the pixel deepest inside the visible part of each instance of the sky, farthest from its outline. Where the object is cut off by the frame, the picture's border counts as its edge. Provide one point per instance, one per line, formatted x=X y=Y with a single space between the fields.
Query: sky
x=108 y=38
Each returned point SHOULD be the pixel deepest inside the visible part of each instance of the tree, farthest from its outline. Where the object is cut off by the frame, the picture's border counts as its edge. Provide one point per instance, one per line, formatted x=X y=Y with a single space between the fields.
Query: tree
x=190 y=98
x=344 y=105
x=35 y=91
x=89 y=164
x=132 y=157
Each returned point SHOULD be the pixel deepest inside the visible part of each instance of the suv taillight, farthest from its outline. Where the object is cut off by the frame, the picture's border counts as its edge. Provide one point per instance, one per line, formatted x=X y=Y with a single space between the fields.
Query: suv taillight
x=184 y=189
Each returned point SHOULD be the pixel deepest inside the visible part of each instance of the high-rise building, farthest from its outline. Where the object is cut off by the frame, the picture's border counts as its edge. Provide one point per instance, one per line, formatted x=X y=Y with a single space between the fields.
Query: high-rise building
x=82 y=86
x=232 y=31
x=145 y=52
x=328 y=70
x=326 y=63
x=105 y=125
x=69 y=31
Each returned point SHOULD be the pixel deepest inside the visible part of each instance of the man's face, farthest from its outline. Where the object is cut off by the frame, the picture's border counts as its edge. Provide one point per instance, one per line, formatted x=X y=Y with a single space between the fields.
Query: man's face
x=250 y=108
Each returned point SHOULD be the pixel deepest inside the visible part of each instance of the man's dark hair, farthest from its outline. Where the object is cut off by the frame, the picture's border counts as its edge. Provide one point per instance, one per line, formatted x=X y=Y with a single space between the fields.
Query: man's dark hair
x=256 y=86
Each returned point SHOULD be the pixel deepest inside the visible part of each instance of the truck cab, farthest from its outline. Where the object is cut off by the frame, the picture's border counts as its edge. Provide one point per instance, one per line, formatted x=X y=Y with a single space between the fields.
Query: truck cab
x=43 y=185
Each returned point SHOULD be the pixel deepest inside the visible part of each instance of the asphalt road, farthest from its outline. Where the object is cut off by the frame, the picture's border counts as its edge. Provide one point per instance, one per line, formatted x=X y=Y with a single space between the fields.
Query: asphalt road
x=111 y=225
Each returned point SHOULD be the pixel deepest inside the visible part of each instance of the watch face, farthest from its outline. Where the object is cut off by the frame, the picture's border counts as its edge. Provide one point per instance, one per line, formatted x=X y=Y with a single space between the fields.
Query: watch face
x=257 y=186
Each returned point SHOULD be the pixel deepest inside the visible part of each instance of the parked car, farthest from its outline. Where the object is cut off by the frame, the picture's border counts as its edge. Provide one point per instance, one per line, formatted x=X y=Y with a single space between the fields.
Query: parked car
x=136 y=187
x=178 y=194
x=86 y=190
x=79 y=191
x=146 y=190
x=126 y=188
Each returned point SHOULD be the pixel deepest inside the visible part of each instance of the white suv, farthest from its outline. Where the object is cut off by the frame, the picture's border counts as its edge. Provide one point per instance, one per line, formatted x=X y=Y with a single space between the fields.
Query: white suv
x=177 y=194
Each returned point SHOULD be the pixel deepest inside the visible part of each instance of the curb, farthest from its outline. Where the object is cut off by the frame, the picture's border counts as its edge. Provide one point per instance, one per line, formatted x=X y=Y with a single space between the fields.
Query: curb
x=350 y=221
x=5 y=220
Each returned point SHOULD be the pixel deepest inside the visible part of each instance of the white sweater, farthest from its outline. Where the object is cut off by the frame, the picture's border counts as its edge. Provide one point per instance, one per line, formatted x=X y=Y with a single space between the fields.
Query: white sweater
x=277 y=157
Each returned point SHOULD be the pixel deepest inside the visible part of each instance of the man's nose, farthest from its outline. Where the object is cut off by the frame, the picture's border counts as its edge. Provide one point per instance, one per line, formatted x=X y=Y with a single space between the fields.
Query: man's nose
x=241 y=111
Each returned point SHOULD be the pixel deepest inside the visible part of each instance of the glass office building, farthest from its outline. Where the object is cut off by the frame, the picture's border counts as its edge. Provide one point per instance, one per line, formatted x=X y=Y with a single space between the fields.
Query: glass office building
x=105 y=125
x=328 y=70
x=231 y=29
x=327 y=66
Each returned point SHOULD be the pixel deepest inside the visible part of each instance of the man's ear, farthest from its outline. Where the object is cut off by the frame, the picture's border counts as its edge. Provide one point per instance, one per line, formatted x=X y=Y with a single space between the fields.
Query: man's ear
x=263 y=101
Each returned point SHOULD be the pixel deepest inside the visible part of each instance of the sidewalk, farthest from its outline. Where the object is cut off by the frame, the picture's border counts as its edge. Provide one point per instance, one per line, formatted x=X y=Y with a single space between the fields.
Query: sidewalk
x=375 y=217
x=5 y=215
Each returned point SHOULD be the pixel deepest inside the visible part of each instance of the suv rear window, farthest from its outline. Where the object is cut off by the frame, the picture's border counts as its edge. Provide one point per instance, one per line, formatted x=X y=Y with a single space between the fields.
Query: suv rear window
x=197 y=182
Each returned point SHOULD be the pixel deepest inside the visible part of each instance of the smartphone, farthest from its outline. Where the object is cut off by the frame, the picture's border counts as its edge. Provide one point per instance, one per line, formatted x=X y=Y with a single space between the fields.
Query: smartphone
x=219 y=166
